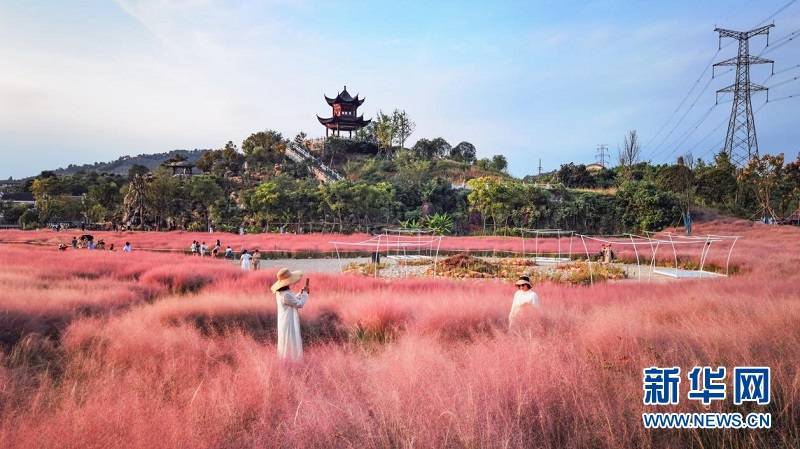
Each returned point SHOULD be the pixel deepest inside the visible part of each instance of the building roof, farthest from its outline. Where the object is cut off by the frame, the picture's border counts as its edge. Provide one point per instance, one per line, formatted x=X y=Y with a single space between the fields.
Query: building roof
x=344 y=122
x=594 y=167
x=344 y=97
x=19 y=197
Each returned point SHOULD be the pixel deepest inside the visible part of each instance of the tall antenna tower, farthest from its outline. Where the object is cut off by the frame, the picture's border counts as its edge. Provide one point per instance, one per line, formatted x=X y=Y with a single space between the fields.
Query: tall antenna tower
x=741 y=143
x=602 y=155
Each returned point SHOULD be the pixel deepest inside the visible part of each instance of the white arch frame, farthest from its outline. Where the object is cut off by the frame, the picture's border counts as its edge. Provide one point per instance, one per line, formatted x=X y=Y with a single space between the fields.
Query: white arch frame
x=542 y=232
x=708 y=238
x=402 y=245
x=654 y=244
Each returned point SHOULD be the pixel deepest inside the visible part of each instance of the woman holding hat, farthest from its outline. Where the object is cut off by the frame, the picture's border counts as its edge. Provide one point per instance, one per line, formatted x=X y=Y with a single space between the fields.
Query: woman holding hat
x=290 y=344
x=524 y=297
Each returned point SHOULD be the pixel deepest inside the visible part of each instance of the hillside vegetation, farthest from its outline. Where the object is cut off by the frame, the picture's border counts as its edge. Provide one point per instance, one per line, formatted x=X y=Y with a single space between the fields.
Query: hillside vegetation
x=432 y=184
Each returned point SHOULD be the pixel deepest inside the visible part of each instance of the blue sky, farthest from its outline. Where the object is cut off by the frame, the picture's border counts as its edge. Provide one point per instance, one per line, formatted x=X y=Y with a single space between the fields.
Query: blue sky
x=92 y=80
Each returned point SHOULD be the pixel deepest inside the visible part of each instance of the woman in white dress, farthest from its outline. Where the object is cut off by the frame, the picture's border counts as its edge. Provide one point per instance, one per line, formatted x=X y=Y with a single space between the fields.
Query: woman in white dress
x=524 y=298
x=245 y=257
x=290 y=343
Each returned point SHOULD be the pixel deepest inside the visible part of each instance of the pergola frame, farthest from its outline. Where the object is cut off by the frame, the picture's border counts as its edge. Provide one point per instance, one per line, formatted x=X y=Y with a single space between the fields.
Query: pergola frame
x=548 y=232
x=654 y=243
x=404 y=242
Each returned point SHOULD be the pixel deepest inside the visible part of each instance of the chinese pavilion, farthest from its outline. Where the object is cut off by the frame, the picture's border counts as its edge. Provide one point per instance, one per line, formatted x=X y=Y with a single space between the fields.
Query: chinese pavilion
x=344 y=114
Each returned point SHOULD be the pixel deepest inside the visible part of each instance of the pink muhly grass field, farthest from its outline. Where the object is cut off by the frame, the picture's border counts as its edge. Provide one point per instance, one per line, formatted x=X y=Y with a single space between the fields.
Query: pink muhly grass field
x=145 y=350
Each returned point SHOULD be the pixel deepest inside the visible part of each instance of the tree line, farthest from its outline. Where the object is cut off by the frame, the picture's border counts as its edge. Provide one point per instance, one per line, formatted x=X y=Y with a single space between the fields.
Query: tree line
x=429 y=184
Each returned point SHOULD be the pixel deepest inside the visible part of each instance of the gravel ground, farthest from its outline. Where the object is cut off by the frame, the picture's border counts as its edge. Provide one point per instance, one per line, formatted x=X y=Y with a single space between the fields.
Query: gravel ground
x=393 y=270
x=308 y=265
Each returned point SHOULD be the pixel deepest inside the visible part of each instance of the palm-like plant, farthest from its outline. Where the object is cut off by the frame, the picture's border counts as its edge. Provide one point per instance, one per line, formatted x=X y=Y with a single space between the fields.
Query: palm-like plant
x=439 y=223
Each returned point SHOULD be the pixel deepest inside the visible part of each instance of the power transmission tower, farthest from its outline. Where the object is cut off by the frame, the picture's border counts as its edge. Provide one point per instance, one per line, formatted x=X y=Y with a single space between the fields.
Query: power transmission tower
x=741 y=143
x=602 y=155
x=540 y=166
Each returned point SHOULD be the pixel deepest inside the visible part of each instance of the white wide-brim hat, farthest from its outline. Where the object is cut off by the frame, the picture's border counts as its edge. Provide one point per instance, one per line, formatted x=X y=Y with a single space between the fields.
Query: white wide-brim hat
x=523 y=282
x=286 y=277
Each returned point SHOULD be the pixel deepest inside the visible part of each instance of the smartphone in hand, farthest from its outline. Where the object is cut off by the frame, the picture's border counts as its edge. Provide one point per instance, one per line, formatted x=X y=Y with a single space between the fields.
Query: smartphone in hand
x=305 y=288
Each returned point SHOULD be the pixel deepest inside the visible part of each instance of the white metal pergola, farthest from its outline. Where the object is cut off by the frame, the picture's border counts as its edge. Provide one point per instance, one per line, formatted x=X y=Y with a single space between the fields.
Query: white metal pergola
x=562 y=254
x=398 y=245
x=653 y=242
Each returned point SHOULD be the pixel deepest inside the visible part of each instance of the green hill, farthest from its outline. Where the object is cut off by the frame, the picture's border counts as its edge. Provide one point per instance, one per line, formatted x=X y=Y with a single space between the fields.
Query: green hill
x=121 y=165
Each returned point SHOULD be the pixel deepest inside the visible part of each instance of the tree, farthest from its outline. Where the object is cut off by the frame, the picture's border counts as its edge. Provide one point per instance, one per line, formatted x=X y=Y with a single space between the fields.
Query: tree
x=464 y=152
x=384 y=130
x=630 y=152
x=403 y=126
x=137 y=169
x=643 y=206
x=226 y=161
x=572 y=175
x=28 y=219
x=441 y=148
x=270 y=199
x=678 y=179
x=44 y=190
x=491 y=197
x=163 y=194
x=105 y=193
x=716 y=184
x=499 y=162
x=437 y=148
x=263 y=148
x=205 y=193
x=764 y=176
x=134 y=202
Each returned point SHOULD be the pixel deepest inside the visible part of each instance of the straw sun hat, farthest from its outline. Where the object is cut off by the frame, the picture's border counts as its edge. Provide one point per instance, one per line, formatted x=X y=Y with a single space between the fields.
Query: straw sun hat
x=286 y=278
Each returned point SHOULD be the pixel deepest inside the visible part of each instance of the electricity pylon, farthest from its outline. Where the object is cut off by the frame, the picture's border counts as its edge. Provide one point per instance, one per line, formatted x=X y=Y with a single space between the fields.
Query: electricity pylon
x=741 y=143
x=602 y=155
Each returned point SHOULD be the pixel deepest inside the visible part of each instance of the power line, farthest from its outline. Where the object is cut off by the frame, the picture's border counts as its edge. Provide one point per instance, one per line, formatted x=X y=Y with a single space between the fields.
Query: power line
x=784 y=82
x=680 y=105
x=780 y=42
x=786 y=70
x=685 y=136
x=785 y=97
x=711 y=133
x=780 y=10
x=659 y=147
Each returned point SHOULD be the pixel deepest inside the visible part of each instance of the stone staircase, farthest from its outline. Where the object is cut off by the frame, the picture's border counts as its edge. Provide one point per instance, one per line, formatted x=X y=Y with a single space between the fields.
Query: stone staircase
x=323 y=172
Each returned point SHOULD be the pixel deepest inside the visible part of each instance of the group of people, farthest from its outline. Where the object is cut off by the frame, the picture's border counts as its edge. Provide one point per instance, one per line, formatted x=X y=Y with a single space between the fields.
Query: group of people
x=606 y=254
x=250 y=261
x=198 y=248
x=90 y=244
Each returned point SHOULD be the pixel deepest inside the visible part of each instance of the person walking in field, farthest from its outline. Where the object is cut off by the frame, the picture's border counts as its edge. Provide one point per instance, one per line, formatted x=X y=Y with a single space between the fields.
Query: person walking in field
x=246 y=258
x=203 y=249
x=194 y=247
x=256 y=259
x=524 y=299
x=215 y=250
x=290 y=342
x=229 y=252
x=127 y=248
